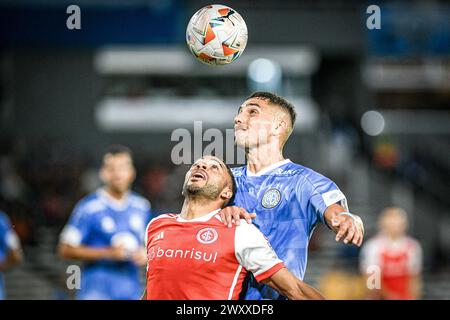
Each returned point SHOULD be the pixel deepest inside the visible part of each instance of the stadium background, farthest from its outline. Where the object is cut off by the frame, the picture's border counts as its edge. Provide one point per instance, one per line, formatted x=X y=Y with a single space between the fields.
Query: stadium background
x=127 y=77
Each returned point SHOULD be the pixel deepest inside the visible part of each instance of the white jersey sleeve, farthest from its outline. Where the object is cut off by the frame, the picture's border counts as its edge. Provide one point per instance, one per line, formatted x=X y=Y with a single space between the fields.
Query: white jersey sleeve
x=254 y=252
x=369 y=256
x=416 y=258
x=12 y=240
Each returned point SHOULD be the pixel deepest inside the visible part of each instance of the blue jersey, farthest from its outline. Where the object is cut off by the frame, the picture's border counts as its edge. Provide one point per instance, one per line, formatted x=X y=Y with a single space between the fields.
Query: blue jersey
x=8 y=241
x=289 y=201
x=97 y=221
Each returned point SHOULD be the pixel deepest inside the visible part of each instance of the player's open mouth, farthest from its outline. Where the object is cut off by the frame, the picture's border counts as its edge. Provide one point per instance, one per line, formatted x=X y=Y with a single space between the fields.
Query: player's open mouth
x=198 y=175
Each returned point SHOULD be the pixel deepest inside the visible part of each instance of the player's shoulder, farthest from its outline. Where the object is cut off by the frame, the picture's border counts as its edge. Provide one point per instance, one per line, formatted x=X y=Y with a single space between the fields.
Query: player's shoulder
x=376 y=242
x=308 y=177
x=91 y=203
x=139 y=202
x=302 y=171
x=163 y=218
x=412 y=243
x=4 y=219
x=247 y=230
x=238 y=171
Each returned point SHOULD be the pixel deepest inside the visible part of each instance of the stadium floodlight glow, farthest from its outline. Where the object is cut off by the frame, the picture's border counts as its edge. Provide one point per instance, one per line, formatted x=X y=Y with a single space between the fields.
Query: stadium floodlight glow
x=264 y=71
x=372 y=122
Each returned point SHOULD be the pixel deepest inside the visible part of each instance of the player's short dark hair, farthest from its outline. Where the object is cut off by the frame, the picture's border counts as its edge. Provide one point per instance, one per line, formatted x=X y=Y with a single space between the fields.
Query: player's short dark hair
x=116 y=149
x=279 y=101
x=233 y=184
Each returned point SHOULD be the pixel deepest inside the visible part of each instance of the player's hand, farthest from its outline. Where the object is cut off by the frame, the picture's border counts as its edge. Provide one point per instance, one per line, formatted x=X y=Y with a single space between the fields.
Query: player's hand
x=350 y=229
x=140 y=257
x=234 y=214
x=119 y=253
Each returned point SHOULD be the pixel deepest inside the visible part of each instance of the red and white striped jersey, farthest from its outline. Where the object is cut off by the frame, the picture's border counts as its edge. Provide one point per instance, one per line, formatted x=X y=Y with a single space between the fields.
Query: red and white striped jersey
x=202 y=259
x=398 y=260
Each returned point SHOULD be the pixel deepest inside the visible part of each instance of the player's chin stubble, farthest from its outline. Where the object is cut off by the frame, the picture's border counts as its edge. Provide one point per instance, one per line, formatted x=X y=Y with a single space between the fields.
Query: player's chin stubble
x=207 y=191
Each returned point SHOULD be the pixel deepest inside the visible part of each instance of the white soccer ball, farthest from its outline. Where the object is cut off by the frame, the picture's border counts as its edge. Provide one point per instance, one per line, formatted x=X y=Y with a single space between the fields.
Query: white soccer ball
x=216 y=35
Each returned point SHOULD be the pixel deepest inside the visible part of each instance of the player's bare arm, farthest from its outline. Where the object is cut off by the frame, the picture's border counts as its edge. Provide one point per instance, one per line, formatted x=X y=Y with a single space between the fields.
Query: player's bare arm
x=291 y=287
x=144 y=294
x=416 y=285
x=348 y=227
x=85 y=253
x=14 y=257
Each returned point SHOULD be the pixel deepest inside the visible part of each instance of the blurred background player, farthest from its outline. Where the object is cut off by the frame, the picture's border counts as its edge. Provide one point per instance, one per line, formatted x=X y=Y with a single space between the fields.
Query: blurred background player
x=289 y=199
x=192 y=255
x=10 y=250
x=398 y=256
x=106 y=231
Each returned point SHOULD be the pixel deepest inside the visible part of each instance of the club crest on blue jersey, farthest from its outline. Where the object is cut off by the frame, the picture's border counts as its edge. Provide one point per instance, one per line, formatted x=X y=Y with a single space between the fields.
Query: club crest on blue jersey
x=271 y=198
x=108 y=224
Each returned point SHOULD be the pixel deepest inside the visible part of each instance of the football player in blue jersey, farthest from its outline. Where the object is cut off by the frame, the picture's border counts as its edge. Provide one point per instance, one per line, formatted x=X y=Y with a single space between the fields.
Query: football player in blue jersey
x=288 y=199
x=10 y=250
x=106 y=231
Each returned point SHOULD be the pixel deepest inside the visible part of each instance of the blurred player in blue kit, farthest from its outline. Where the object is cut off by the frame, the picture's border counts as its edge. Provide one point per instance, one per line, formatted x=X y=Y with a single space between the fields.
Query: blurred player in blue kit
x=106 y=231
x=10 y=250
x=288 y=199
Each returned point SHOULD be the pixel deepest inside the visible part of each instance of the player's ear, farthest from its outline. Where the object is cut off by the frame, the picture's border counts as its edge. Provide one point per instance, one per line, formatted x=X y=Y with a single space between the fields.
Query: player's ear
x=280 y=122
x=282 y=125
x=227 y=193
x=102 y=174
x=133 y=175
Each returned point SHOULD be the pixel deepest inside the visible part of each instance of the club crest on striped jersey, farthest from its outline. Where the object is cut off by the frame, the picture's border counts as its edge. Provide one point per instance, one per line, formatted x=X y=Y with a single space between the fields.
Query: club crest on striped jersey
x=207 y=235
x=271 y=198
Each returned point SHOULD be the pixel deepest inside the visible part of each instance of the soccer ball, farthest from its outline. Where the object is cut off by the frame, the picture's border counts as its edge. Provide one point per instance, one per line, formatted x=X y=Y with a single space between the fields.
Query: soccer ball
x=216 y=35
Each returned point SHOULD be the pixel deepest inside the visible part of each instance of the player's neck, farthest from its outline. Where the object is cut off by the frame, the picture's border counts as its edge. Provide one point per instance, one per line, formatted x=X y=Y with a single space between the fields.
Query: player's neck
x=198 y=207
x=395 y=238
x=115 y=195
x=263 y=156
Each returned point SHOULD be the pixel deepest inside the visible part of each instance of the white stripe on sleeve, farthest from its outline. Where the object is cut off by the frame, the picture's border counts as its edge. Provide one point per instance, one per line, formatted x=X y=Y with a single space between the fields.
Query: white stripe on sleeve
x=253 y=250
x=416 y=258
x=71 y=236
x=369 y=255
x=12 y=240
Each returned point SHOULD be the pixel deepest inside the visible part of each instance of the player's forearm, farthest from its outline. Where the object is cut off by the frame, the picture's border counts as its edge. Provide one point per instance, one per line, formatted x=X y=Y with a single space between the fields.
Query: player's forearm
x=298 y=290
x=416 y=287
x=291 y=287
x=14 y=257
x=144 y=295
x=306 y=292
x=348 y=227
x=330 y=214
x=83 y=253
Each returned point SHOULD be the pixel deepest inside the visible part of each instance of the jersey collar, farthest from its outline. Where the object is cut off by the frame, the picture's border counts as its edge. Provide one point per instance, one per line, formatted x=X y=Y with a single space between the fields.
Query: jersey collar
x=204 y=218
x=267 y=169
x=112 y=203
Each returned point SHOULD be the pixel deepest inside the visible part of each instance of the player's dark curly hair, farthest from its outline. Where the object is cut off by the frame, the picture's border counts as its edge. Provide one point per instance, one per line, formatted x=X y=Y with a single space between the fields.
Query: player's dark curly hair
x=233 y=184
x=276 y=99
